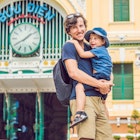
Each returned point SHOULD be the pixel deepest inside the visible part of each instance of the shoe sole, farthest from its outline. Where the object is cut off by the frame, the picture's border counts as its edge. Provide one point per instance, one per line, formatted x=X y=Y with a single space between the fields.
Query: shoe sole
x=78 y=122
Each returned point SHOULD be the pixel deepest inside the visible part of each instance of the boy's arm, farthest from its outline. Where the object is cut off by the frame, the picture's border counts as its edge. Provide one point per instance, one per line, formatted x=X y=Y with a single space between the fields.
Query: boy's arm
x=81 y=52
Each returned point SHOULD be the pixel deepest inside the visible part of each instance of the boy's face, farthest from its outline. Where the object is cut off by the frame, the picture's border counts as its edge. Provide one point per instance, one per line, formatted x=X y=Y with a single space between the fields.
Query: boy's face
x=77 y=31
x=96 y=40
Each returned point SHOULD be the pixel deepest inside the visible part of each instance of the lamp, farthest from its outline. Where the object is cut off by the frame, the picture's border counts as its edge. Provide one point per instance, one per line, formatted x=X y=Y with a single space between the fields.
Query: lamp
x=128 y=121
x=122 y=37
x=118 y=121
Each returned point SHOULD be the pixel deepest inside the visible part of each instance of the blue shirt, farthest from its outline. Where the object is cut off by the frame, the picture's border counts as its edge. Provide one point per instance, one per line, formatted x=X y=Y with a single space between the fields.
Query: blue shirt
x=69 y=52
x=102 y=63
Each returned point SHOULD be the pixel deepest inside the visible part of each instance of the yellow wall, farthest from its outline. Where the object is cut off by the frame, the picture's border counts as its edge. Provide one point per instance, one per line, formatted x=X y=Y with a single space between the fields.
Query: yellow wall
x=100 y=13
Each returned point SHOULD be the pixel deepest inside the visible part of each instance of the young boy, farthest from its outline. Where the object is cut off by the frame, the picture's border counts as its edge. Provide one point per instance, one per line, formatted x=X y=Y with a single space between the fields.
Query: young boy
x=101 y=63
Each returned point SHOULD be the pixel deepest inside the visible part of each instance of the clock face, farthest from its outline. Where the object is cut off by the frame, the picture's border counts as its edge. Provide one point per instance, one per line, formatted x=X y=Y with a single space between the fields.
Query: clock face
x=25 y=39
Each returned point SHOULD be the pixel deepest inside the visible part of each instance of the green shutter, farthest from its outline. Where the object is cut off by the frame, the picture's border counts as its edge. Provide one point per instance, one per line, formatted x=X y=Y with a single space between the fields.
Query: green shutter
x=123 y=80
x=121 y=10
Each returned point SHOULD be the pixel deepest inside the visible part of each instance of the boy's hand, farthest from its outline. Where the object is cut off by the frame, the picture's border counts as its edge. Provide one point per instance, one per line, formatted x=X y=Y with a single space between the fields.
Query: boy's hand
x=73 y=41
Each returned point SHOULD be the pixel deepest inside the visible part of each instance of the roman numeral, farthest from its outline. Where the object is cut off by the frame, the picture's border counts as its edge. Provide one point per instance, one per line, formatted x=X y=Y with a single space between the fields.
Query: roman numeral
x=19 y=48
x=24 y=49
x=30 y=48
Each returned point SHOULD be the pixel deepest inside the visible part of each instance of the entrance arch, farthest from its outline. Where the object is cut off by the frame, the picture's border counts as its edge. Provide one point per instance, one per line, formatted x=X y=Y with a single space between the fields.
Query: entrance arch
x=26 y=82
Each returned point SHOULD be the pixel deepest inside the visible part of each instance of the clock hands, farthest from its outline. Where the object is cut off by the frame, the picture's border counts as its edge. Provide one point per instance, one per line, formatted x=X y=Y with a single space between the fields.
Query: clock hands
x=23 y=39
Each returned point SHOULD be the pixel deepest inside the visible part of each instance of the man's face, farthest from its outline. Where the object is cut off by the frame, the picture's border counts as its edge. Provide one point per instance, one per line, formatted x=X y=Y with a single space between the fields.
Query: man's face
x=78 y=30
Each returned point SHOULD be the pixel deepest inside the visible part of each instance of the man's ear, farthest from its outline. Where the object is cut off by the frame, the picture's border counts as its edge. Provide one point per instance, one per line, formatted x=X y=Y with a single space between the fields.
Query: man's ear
x=69 y=34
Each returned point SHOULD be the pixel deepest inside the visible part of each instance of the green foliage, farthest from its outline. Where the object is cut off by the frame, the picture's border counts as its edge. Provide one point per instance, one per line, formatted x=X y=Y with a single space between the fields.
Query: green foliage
x=135 y=114
x=129 y=137
x=116 y=137
x=138 y=138
x=130 y=131
x=130 y=126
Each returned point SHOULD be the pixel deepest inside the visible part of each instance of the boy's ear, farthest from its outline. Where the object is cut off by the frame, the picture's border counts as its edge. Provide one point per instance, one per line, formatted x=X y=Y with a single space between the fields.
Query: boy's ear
x=104 y=42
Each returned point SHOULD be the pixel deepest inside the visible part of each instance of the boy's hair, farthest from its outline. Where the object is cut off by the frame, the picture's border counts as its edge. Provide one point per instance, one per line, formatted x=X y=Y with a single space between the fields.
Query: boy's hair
x=71 y=20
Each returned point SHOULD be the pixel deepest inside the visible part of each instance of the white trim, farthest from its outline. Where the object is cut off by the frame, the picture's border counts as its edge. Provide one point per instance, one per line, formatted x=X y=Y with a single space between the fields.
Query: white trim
x=123 y=35
x=122 y=54
x=131 y=8
x=23 y=83
x=114 y=134
x=111 y=11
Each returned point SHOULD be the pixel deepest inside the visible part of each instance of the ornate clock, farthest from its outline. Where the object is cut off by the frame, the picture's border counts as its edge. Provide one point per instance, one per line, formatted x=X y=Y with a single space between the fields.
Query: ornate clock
x=25 y=39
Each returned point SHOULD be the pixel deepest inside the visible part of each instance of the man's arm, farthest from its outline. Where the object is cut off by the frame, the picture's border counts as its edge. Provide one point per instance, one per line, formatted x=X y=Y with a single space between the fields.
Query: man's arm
x=84 y=78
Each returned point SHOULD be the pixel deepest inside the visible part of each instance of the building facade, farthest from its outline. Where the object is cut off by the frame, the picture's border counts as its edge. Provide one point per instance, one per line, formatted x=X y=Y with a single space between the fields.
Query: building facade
x=31 y=38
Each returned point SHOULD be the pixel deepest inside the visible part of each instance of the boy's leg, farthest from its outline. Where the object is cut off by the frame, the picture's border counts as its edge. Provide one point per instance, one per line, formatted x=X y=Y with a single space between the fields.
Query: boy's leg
x=80 y=97
x=80 y=103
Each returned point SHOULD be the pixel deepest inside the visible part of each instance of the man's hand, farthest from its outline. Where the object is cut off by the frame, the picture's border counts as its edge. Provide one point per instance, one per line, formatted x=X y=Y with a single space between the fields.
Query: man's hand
x=105 y=86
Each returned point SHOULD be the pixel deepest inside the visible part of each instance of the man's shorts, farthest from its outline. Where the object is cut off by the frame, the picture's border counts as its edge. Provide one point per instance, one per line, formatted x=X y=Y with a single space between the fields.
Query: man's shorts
x=97 y=126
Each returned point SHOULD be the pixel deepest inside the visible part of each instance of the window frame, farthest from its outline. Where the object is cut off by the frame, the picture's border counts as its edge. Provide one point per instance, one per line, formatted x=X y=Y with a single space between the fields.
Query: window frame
x=131 y=12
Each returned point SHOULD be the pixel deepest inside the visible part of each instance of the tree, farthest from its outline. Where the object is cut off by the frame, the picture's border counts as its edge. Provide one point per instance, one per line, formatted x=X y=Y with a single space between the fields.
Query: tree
x=134 y=126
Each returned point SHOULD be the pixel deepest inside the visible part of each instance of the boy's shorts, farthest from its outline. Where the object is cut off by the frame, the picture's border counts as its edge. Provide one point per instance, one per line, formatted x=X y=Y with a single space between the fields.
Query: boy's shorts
x=97 y=126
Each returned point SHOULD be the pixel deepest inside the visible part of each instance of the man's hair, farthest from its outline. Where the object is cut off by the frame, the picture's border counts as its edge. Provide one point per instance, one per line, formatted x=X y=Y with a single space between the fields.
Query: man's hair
x=71 y=20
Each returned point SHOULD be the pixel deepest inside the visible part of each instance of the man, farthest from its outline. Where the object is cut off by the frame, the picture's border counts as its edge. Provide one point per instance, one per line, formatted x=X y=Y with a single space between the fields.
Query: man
x=96 y=127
